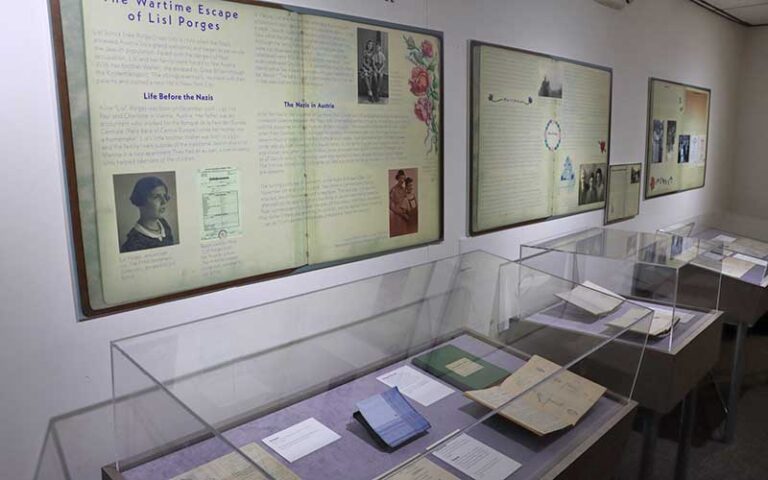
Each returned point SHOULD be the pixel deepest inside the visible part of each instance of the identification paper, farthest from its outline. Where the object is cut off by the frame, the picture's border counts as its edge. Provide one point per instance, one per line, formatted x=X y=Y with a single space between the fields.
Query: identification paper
x=233 y=467
x=464 y=367
x=220 y=191
x=301 y=439
x=476 y=459
x=415 y=385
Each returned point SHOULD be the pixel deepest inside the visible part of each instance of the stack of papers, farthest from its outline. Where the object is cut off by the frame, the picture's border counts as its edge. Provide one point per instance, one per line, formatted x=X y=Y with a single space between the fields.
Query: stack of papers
x=555 y=404
x=390 y=419
x=592 y=298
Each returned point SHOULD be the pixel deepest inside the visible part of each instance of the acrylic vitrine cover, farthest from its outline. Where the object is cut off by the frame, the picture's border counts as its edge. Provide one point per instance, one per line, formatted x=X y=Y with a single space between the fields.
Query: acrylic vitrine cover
x=270 y=391
x=677 y=277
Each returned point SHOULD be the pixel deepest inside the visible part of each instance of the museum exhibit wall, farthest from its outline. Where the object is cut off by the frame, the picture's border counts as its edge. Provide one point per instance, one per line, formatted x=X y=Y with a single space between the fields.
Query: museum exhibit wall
x=51 y=365
x=751 y=167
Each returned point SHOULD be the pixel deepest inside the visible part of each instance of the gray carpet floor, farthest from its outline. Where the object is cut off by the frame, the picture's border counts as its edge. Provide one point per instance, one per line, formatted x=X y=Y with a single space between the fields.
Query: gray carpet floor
x=745 y=459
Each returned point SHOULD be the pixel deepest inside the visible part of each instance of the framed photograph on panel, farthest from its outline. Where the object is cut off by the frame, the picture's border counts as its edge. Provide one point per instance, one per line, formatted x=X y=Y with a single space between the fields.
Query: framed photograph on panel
x=540 y=137
x=623 y=199
x=678 y=137
x=215 y=146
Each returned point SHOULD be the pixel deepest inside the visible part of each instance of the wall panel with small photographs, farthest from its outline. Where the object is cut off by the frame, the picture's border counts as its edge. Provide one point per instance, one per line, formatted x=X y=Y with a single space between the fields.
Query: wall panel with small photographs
x=540 y=139
x=218 y=143
x=623 y=200
x=678 y=132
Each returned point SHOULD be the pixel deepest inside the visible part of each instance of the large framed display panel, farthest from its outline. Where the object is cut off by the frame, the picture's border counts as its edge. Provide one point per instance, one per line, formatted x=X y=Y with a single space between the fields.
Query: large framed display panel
x=215 y=143
x=540 y=130
x=623 y=198
x=677 y=139
x=209 y=399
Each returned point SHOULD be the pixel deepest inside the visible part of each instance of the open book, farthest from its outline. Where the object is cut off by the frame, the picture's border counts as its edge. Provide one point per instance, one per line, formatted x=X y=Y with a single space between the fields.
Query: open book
x=558 y=402
x=592 y=298
x=540 y=133
x=220 y=143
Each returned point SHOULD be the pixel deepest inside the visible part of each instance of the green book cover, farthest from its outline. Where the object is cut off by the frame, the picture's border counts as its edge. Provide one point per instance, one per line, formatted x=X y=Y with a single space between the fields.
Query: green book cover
x=460 y=369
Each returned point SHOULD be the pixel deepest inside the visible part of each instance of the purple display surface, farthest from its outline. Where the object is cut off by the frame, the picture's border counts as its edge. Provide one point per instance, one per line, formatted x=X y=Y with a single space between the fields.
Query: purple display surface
x=754 y=275
x=568 y=317
x=356 y=456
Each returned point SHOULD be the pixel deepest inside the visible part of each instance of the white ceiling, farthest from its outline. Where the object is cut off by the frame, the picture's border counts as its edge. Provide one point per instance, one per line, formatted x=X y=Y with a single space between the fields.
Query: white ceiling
x=753 y=12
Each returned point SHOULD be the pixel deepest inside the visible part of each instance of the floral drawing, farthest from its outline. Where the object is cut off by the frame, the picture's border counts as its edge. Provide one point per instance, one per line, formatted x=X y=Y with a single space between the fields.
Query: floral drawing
x=425 y=84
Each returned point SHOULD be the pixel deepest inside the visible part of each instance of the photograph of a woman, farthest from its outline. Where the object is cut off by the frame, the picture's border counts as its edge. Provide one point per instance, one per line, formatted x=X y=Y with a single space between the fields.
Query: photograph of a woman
x=403 y=202
x=151 y=196
x=373 y=86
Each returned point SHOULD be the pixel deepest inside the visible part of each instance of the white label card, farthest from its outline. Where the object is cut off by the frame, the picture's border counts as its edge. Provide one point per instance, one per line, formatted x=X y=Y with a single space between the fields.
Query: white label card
x=301 y=439
x=476 y=459
x=415 y=385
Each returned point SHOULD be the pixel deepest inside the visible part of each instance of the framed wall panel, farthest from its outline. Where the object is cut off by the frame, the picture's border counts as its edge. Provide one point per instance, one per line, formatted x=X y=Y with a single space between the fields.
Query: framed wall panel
x=678 y=137
x=215 y=143
x=540 y=137
x=623 y=199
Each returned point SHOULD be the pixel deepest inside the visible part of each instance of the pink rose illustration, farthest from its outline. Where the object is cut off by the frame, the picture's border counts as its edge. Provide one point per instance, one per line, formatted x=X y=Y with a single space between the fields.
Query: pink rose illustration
x=423 y=109
x=426 y=48
x=419 y=81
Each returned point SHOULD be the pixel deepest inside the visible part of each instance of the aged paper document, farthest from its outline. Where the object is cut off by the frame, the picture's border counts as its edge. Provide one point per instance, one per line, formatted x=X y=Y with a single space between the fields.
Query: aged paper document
x=422 y=469
x=557 y=403
x=593 y=298
x=233 y=467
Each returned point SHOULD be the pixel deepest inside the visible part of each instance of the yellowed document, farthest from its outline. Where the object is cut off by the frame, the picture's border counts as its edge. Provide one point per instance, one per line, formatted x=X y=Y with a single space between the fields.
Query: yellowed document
x=736 y=267
x=557 y=403
x=751 y=247
x=661 y=321
x=234 y=467
x=422 y=469
x=593 y=298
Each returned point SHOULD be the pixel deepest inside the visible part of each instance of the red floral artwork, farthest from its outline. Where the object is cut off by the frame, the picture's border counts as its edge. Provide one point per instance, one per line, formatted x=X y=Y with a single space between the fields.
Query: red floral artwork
x=425 y=85
x=419 y=81
x=423 y=109
x=426 y=48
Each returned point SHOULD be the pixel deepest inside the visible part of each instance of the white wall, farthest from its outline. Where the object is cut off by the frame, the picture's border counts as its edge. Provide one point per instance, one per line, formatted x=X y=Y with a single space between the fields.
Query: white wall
x=50 y=364
x=748 y=195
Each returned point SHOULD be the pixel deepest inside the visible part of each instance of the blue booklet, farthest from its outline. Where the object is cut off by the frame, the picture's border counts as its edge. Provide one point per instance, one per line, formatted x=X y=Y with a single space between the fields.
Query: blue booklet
x=390 y=419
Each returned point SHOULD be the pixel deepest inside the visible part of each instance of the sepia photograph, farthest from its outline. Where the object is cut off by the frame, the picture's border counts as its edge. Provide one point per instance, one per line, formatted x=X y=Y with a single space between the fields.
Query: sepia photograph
x=403 y=201
x=657 y=136
x=146 y=210
x=552 y=81
x=372 y=67
x=684 y=149
x=592 y=183
x=634 y=175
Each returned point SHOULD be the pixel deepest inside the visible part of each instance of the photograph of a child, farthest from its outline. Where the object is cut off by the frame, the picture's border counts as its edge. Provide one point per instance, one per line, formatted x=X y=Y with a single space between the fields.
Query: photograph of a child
x=372 y=67
x=403 y=201
x=145 y=210
x=634 y=175
x=592 y=183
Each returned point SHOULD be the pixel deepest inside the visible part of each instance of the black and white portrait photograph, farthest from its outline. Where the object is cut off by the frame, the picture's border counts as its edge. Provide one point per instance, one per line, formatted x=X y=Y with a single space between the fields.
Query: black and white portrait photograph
x=671 y=135
x=634 y=175
x=657 y=139
x=403 y=201
x=551 y=81
x=372 y=67
x=146 y=210
x=684 y=149
x=592 y=183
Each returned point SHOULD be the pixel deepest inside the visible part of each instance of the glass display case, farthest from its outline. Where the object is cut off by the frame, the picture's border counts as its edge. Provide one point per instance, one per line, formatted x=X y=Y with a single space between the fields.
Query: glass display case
x=677 y=277
x=285 y=390
x=744 y=296
x=745 y=240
